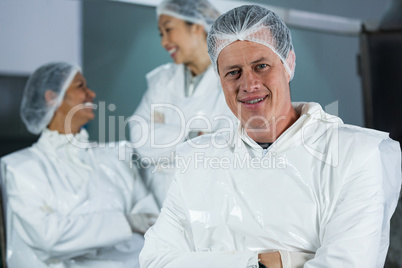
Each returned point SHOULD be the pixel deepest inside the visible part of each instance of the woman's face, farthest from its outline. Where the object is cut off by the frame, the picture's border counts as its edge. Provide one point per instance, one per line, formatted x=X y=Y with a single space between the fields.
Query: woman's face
x=180 y=39
x=76 y=105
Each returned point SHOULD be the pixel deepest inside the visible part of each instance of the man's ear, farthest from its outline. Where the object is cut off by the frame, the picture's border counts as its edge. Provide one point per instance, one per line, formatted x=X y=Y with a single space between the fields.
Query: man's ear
x=291 y=62
x=50 y=96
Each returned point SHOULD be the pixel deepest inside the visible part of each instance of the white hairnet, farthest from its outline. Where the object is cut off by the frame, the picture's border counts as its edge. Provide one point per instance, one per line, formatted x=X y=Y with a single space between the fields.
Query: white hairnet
x=36 y=111
x=194 y=11
x=256 y=24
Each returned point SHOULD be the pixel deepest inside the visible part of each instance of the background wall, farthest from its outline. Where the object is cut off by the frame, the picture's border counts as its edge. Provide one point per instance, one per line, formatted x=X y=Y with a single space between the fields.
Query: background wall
x=36 y=32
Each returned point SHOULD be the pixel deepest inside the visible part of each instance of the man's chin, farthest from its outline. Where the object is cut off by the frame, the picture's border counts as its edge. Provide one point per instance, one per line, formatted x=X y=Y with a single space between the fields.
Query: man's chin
x=256 y=124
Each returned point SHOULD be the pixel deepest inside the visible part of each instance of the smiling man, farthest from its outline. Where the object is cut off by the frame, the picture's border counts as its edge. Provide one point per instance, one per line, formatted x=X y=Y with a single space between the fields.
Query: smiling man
x=256 y=87
x=293 y=186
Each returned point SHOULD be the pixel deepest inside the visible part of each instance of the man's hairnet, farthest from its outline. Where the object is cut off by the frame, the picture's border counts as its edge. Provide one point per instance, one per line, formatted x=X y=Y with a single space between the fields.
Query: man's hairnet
x=256 y=24
x=195 y=11
x=36 y=111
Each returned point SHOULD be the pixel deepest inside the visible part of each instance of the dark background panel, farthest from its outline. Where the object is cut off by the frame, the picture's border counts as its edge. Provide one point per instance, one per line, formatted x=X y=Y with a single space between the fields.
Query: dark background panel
x=13 y=134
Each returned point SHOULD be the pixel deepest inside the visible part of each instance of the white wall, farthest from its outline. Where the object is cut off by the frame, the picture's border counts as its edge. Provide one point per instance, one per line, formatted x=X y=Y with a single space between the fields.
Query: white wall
x=34 y=32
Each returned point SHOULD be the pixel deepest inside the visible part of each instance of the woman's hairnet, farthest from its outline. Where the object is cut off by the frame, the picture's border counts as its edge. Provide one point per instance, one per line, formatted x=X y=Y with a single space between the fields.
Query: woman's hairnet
x=256 y=24
x=195 y=11
x=36 y=110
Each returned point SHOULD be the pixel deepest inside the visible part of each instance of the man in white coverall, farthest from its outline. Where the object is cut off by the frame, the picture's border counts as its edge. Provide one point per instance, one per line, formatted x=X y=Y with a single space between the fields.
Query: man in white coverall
x=69 y=202
x=293 y=186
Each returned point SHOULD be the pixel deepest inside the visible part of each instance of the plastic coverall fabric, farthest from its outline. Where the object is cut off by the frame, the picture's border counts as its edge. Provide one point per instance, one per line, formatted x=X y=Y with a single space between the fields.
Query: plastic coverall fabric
x=171 y=121
x=322 y=187
x=67 y=206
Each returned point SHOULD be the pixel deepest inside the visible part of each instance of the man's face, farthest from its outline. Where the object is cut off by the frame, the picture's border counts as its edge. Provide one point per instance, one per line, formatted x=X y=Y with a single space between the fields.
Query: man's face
x=255 y=83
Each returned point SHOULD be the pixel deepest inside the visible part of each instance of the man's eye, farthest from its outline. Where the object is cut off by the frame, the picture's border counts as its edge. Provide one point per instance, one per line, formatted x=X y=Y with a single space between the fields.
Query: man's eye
x=262 y=66
x=233 y=73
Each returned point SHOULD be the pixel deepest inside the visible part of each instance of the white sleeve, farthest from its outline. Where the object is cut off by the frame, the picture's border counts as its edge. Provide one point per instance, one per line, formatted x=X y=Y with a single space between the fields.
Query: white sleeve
x=144 y=201
x=169 y=244
x=351 y=237
x=289 y=259
x=391 y=170
x=253 y=261
x=53 y=235
x=292 y=259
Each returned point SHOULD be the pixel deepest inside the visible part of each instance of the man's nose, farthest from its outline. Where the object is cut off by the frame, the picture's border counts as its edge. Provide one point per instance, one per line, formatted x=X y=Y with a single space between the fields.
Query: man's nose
x=249 y=81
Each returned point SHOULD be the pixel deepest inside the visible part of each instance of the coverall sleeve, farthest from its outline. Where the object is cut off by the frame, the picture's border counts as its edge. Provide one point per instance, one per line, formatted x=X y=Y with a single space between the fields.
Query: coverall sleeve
x=144 y=201
x=352 y=235
x=144 y=131
x=168 y=243
x=51 y=234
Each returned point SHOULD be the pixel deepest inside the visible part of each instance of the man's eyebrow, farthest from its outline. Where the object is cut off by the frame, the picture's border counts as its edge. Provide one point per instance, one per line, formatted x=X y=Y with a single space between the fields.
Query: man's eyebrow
x=259 y=60
x=231 y=67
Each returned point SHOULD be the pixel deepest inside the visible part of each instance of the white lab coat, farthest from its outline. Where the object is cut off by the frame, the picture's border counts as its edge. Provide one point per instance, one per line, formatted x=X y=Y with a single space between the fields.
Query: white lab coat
x=66 y=205
x=170 y=125
x=322 y=187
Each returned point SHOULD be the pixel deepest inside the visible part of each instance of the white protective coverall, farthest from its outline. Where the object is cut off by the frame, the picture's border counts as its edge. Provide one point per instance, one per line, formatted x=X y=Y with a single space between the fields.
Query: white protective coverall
x=322 y=187
x=168 y=116
x=67 y=206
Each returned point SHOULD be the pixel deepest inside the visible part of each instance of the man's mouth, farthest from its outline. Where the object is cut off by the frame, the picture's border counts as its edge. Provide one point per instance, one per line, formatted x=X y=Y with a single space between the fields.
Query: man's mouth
x=254 y=101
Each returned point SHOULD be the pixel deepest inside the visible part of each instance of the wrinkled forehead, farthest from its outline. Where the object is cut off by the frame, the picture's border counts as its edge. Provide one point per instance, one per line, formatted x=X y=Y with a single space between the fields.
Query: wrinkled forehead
x=261 y=35
x=245 y=51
